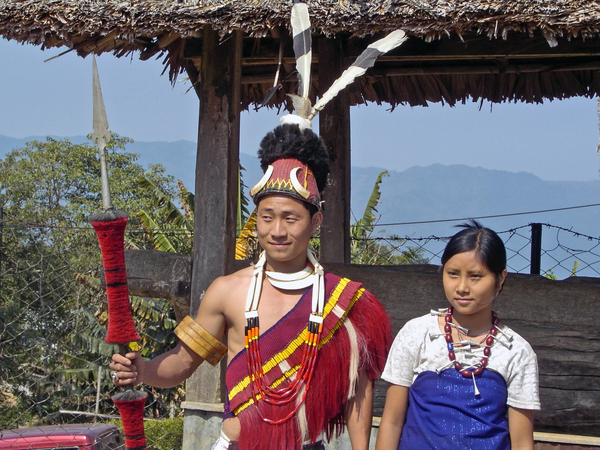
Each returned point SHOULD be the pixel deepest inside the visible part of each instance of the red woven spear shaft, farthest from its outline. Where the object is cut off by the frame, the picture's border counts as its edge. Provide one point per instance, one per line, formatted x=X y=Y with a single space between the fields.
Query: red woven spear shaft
x=110 y=229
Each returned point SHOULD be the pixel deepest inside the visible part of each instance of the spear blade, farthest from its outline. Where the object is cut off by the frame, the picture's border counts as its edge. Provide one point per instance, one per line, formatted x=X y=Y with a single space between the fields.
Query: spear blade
x=101 y=135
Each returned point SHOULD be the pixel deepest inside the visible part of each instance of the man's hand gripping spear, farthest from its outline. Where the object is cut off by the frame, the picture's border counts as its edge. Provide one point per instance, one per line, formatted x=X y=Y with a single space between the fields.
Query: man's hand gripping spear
x=110 y=228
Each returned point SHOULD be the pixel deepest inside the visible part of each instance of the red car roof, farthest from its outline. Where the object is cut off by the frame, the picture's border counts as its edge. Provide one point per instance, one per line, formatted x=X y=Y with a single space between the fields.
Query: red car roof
x=53 y=436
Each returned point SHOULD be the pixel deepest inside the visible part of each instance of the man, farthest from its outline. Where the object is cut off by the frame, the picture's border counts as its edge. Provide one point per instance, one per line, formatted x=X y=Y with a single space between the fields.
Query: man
x=307 y=369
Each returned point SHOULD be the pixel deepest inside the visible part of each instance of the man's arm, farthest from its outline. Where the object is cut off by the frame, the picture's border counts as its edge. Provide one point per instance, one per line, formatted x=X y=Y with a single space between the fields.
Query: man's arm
x=359 y=413
x=175 y=366
x=520 y=427
x=394 y=415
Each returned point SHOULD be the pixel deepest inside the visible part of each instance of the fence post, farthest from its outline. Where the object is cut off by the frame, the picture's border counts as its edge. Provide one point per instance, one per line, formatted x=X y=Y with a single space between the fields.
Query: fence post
x=98 y=388
x=536 y=248
x=1 y=246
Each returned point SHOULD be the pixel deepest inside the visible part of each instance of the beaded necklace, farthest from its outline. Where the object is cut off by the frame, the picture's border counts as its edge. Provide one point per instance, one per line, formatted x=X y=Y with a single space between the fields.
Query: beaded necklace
x=466 y=346
x=313 y=275
x=486 y=350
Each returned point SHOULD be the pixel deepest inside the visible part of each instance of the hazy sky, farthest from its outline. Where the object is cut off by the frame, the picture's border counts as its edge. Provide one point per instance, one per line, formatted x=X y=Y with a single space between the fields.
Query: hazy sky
x=555 y=141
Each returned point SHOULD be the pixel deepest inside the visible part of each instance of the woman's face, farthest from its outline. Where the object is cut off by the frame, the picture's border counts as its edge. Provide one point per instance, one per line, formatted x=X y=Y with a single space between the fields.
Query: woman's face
x=469 y=285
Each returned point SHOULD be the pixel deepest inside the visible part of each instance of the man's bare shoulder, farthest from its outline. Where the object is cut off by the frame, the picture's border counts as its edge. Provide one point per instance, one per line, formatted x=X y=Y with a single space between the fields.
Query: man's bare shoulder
x=232 y=280
x=230 y=286
x=226 y=292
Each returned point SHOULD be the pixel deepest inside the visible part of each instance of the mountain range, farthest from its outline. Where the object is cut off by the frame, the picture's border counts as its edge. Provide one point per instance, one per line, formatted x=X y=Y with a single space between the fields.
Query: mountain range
x=429 y=195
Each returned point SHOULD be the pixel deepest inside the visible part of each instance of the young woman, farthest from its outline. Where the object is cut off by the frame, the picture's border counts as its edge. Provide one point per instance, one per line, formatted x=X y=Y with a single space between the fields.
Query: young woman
x=459 y=378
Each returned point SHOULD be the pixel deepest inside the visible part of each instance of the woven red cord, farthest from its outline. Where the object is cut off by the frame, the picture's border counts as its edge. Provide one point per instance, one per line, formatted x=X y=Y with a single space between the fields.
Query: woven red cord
x=132 y=417
x=111 y=236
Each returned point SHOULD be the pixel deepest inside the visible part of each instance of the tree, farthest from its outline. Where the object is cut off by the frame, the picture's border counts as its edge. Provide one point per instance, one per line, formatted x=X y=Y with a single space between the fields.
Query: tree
x=58 y=183
x=366 y=249
x=48 y=190
x=172 y=230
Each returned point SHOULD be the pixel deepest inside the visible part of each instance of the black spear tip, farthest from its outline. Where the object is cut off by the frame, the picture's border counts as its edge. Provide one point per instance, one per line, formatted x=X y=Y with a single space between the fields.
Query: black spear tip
x=108 y=215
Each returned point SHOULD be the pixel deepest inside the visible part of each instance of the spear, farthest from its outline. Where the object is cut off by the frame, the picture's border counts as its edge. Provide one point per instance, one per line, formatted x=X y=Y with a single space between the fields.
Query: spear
x=110 y=229
x=101 y=135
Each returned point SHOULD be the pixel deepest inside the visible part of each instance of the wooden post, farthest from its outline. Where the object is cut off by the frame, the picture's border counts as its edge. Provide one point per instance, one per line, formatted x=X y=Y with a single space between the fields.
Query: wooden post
x=536 y=248
x=1 y=246
x=334 y=127
x=217 y=165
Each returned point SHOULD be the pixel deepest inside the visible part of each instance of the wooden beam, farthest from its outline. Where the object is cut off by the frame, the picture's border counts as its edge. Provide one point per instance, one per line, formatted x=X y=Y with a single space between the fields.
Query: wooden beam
x=491 y=69
x=334 y=128
x=558 y=318
x=482 y=70
x=217 y=162
x=417 y=50
x=217 y=165
x=167 y=38
x=569 y=439
x=155 y=274
x=517 y=46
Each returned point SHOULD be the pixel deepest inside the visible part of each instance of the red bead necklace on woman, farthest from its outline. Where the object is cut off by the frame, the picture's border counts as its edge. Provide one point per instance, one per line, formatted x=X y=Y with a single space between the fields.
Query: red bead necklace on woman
x=483 y=362
x=486 y=350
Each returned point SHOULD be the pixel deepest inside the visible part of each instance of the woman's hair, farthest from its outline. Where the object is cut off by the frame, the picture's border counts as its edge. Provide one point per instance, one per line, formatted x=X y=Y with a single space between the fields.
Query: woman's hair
x=485 y=242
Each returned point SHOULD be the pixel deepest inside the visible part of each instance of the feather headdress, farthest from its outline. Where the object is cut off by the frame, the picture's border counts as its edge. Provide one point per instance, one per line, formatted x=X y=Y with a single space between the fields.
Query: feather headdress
x=295 y=163
x=301 y=32
x=283 y=151
x=365 y=60
x=302 y=40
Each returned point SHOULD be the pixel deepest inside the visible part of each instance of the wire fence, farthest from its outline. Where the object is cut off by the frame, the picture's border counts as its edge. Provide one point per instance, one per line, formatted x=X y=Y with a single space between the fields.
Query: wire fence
x=535 y=248
x=53 y=315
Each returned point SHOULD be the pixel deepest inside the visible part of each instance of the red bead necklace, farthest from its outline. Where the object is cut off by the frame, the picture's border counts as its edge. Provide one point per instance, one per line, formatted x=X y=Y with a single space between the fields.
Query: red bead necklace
x=281 y=396
x=486 y=350
x=286 y=395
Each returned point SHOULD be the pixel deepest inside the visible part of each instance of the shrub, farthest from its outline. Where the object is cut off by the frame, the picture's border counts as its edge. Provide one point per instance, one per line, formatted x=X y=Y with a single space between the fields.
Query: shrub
x=164 y=434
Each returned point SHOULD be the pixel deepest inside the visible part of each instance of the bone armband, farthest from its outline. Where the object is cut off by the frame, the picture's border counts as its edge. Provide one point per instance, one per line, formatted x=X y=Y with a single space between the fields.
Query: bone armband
x=200 y=341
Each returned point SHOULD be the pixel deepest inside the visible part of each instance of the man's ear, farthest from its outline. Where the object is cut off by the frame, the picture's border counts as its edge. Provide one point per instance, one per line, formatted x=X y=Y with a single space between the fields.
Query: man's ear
x=316 y=221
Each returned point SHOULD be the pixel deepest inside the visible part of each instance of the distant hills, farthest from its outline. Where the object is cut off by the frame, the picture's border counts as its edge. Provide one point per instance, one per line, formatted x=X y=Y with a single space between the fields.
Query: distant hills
x=418 y=194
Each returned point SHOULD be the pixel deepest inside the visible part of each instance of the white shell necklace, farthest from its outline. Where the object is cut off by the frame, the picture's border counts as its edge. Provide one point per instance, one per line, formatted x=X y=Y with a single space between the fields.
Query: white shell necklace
x=288 y=281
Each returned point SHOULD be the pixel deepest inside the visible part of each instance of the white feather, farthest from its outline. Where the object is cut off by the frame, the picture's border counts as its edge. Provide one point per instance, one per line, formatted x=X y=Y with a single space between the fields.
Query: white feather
x=384 y=45
x=390 y=42
x=300 y=22
x=301 y=416
x=354 y=358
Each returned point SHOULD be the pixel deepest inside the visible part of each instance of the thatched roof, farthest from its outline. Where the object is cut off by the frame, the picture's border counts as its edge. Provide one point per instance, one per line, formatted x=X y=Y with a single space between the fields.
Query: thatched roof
x=521 y=50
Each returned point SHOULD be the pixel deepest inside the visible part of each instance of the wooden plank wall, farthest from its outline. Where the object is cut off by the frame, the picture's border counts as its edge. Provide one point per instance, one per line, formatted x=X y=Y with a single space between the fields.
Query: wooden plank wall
x=560 y=319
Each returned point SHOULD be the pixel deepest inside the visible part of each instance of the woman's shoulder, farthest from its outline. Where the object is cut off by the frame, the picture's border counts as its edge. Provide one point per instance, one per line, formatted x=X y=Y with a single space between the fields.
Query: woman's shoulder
x=518 y=342
x=421 y=321
x=512 y=354
x=418 y=326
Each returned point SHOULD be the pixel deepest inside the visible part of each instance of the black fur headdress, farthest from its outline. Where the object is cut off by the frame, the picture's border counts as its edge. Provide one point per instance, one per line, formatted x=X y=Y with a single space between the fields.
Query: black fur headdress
x=288 y=141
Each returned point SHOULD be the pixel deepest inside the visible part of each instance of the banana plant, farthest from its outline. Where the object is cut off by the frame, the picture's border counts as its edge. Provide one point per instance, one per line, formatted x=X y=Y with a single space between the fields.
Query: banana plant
x=362 y=250
x=366 y=250
x=364 y=227
x=183 y=222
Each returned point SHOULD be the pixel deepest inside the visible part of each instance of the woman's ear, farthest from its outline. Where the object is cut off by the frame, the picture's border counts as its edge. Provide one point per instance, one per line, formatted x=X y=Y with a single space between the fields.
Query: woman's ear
x=501 y=280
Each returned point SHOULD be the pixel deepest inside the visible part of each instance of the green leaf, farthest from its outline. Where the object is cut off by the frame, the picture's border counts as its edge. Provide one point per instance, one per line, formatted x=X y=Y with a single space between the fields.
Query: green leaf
x=246 y=243
x=158 y=238
x=364 y=227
